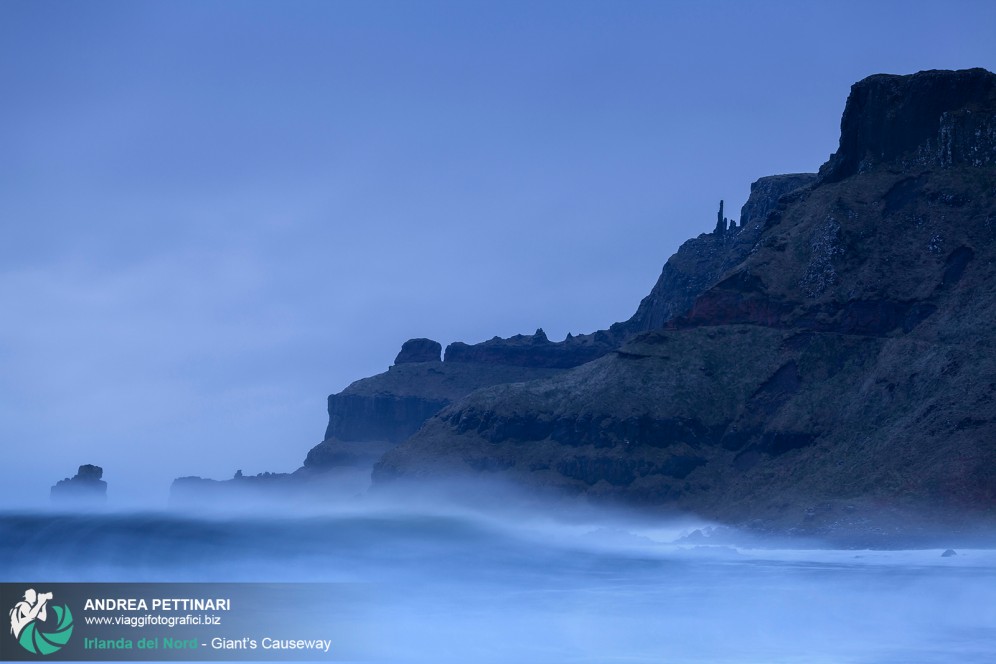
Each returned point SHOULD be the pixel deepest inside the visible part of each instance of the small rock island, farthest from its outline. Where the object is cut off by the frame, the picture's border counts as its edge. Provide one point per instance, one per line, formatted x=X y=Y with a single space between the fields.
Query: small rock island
x=86 y=488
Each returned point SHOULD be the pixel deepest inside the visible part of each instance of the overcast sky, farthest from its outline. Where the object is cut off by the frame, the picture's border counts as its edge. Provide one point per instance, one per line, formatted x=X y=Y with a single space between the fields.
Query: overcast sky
x=215 y=214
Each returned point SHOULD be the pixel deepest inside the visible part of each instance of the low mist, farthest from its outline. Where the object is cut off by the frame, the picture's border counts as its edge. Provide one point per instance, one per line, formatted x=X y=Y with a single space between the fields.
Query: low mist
x=521 y=580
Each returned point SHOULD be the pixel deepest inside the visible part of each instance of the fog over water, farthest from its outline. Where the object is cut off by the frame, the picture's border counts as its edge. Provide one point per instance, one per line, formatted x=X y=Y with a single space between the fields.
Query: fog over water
x=457 y=584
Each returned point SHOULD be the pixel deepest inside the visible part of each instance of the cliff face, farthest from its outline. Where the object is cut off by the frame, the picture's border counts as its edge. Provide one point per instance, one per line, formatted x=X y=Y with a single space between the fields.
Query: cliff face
x=701 y=261
x=414 y=351
x=932 y=119
x=376 y=413
x=833 y=353
x=386 y=409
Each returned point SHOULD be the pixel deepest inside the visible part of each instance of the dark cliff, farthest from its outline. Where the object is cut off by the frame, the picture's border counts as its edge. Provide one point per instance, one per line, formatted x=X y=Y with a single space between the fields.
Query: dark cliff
x=536 y=350
x=388 y=408
x=830 y=356
x=383 y=410
x=826 y=361
x=700 y=262
x=932 y=119
x=419 y=350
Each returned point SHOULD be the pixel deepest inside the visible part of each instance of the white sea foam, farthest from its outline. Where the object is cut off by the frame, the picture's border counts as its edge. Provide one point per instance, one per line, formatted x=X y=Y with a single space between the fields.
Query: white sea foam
x=459 y=585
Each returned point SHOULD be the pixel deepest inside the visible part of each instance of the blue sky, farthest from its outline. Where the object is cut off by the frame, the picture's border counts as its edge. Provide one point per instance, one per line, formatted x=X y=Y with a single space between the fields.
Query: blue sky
x=215 y=214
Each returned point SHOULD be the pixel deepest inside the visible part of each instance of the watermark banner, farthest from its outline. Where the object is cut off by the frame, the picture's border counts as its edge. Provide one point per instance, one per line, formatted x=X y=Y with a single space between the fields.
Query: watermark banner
x=183 y=621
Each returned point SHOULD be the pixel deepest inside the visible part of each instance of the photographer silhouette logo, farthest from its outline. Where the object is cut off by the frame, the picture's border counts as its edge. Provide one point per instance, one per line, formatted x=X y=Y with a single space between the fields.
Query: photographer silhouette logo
x=30 y=625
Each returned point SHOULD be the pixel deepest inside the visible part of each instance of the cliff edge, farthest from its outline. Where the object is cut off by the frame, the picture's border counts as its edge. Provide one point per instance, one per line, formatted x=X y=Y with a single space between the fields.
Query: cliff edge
x=831 y=366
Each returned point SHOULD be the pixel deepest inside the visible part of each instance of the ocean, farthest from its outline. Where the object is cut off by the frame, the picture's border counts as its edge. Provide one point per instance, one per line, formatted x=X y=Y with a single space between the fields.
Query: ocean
x=451 y=585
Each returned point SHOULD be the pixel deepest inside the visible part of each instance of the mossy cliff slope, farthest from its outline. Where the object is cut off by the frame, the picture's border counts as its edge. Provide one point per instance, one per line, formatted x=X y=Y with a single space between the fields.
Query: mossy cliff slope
x=845 y=356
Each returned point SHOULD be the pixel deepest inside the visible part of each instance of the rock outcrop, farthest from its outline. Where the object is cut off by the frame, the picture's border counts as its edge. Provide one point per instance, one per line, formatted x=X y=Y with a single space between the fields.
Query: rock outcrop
x=386 y=409
x=932 y=119
x=830 y=356
x=374 y=414
x=419 y=350
x=536 y=350
x=700 y=262
x=824 y=365
x=85 y=488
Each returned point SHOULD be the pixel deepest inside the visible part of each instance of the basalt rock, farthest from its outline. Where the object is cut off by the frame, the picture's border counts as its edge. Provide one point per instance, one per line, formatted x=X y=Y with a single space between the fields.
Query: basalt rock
x=84 y=488
x=831 y=356
x=700 y=262
x=536 y=350
x=245 y=491
x=826 y=364
x=392 y=406
x=383 y=410
x=932 y=119
x=419 y=350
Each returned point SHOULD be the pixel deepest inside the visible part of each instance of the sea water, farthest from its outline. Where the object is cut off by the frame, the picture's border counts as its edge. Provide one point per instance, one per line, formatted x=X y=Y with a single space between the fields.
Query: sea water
x=460 y=586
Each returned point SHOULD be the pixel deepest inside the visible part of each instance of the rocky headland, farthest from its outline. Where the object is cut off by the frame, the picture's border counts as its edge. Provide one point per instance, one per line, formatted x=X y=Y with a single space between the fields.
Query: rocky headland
x=824 y=365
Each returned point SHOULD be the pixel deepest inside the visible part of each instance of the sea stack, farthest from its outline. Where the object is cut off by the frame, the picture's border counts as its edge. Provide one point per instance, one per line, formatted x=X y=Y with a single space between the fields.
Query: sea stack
x=83 y=489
